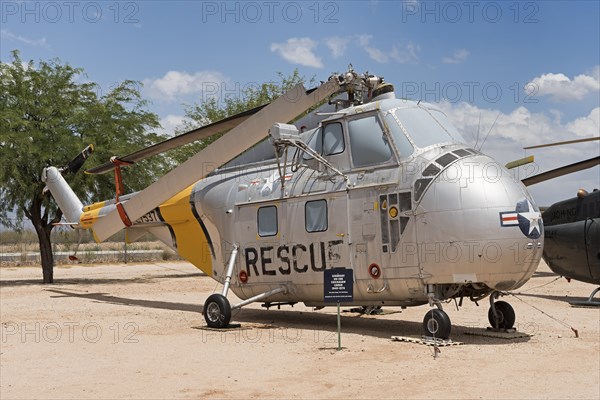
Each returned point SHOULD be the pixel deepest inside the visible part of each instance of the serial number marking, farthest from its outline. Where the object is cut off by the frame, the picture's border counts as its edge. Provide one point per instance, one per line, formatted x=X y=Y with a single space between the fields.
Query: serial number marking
x=148 y=218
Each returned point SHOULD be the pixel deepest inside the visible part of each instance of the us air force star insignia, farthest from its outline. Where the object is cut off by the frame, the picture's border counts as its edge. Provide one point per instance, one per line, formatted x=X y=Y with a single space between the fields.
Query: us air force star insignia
x=532 y=217
x=525 y=217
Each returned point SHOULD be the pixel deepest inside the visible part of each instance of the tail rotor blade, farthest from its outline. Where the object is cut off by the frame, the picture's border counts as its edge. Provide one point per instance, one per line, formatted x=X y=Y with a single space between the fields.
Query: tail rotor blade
x=75 y=164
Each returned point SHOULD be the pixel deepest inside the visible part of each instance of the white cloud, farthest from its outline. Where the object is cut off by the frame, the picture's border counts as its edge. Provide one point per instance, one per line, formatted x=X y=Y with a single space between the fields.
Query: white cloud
x=32 y=42
x=177 y=83
x=171 y=122
x=298 y=51
x=337 y=45
x=587 y=126
x=520 y=128
x=408 y=53
x=363 y=40
x=402 y=54
x=457 y=57
x=562 y=88
x=595 y=72
x=377 y=55
x=374 y=53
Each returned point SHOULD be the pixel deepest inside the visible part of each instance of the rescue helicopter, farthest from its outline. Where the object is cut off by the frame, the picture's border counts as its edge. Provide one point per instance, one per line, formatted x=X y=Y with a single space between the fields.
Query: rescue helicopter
x=383 y=186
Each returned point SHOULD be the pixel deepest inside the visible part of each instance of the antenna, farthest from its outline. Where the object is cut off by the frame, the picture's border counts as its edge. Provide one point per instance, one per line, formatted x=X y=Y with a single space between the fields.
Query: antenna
x=488 y=134
x=478 y=130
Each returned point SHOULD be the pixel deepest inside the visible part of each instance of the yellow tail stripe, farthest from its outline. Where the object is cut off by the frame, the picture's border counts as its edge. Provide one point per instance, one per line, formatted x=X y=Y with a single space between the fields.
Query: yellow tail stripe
x=192 y=244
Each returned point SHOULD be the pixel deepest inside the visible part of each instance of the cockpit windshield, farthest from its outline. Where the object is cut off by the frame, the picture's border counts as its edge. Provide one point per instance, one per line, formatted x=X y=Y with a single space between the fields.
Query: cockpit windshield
x=426 y=126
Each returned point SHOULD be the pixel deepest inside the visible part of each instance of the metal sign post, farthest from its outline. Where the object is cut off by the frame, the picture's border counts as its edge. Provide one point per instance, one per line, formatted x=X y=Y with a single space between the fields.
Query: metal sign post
x=338 y=287
x=339 y=328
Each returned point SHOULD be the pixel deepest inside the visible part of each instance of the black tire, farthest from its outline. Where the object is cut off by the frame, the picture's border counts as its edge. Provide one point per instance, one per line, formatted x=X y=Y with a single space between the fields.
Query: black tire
x=371 y=310
x=437 y=324
x=217 y=311
x=506 y=315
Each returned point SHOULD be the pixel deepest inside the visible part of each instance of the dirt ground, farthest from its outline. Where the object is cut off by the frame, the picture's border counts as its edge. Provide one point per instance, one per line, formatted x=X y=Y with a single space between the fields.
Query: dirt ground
x=135 y=331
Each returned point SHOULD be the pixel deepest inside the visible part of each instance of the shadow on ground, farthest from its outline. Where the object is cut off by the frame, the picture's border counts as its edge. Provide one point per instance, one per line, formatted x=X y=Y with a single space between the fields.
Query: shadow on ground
x=95 y=281
x=293 y=322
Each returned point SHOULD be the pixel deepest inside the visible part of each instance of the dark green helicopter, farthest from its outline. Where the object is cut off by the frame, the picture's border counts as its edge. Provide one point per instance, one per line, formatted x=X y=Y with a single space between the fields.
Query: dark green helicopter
x=572 y=228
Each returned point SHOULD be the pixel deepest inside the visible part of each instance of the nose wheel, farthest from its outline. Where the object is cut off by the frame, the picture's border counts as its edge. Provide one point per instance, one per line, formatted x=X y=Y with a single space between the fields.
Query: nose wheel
x=437 y=324
x=501 y=315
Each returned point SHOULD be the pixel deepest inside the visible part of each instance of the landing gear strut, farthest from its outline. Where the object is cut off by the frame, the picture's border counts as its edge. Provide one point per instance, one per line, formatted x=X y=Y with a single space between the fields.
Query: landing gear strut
x=436 y=323
x=217 y=310
x=590 y=302
x=501 y=315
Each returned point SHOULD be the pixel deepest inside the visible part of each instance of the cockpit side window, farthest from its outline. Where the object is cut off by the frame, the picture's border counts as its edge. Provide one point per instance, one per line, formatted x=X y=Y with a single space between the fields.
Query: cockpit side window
x=400 y=140
x=368 y=143
x=327 y=141
x=315 y=142
x=333 y=139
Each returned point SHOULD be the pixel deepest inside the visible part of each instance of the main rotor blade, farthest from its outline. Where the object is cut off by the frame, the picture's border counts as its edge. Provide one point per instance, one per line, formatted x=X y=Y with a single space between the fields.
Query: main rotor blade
x=180 y=140
x=567 y=169
x=240 y=138
x=561 y=143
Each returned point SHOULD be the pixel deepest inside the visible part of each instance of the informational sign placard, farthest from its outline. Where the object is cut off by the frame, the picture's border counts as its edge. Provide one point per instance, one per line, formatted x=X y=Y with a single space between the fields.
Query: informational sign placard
x=338 y=285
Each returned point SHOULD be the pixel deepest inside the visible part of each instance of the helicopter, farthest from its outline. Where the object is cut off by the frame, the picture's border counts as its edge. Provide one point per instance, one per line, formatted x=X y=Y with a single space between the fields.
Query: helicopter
x=572 y=228
x=381 y=186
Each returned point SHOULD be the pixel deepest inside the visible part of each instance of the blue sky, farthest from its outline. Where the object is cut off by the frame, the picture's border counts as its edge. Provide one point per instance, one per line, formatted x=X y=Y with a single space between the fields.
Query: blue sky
x=533 y=67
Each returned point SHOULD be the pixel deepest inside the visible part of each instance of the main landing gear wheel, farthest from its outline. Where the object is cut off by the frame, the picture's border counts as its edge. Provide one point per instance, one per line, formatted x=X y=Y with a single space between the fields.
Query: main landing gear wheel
x=217 y=311
x=437 y=324
x=505 y=315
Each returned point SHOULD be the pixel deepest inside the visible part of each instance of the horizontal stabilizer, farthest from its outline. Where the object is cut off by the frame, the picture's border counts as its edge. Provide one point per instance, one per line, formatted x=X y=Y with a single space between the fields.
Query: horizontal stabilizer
x=520 y=162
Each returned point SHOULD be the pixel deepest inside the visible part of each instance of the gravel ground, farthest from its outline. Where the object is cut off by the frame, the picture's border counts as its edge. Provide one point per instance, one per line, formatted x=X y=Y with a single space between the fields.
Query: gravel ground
x=136 y=331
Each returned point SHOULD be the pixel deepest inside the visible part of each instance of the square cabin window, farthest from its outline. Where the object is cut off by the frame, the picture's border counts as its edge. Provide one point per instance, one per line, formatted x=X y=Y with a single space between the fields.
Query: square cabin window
x=315 y=214
x=267 y=221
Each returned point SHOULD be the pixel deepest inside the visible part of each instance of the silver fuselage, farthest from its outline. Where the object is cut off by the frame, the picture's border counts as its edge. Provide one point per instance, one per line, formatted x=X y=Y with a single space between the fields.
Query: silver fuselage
x=435 y=217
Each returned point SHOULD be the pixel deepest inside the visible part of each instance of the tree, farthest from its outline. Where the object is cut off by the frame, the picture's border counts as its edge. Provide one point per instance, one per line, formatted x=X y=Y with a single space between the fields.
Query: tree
x=47 y=116
x=214 y=109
